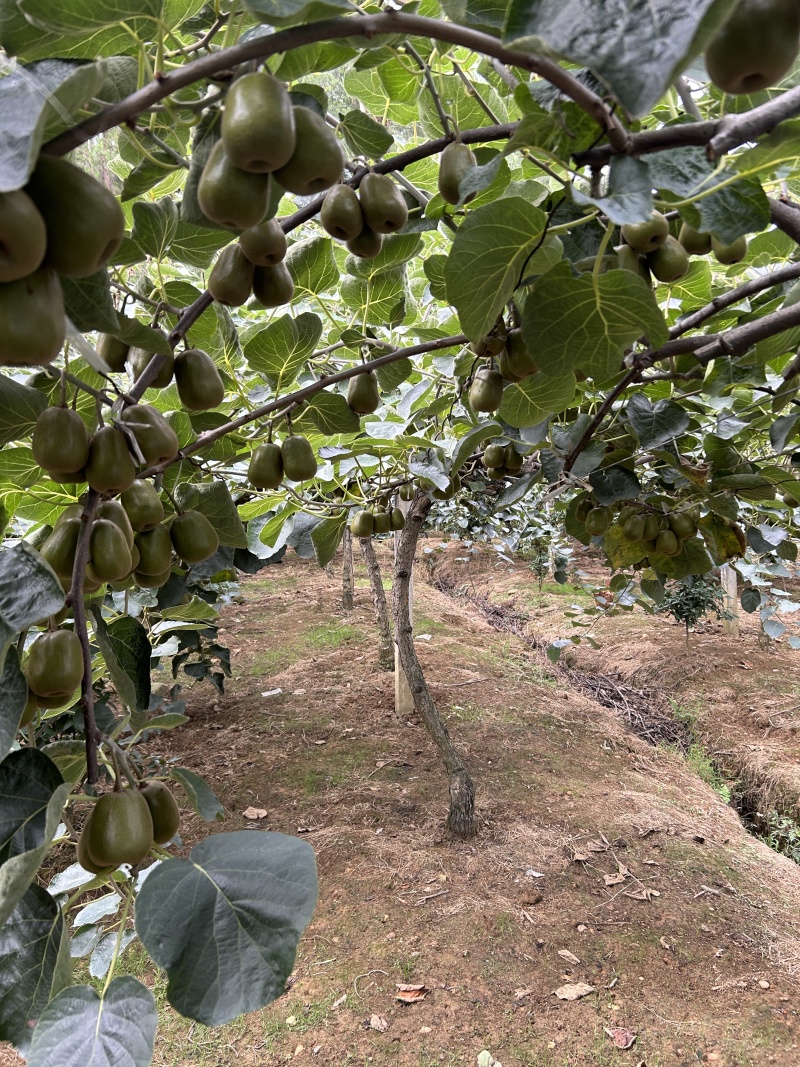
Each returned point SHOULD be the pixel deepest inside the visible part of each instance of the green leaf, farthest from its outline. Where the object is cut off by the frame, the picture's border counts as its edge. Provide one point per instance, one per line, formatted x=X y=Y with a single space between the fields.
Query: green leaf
x=139 y=334
x=588 y=322
x=20 y=407
x=312 y=266
x=733 y=210
x=196 y=245
x=629 y=195
x=331 y=414
x=213 y=499
x=655 y=424
x=289 y=12
x=396 y=249
x=75 y=17
x=487 y=258
x=380 y=300
x=750 y=599
x=282 y=348
x=472 y=440
x=154 y=226
x=636 y=48
x=29 y=592
x=252 y=894
x=692 y=559
x=434 y=267
x=83 y=1028
x=126 y=649
x=88 y=303
x=13 y=697
x=29 y=99
x=34 y=963
x=722 y=540
x=18 y=467
x=200 y=795
x=326 y=536
x=621 y=552
x=32 y=795
x=529 y=402
x=365 y=136
x=614 y=483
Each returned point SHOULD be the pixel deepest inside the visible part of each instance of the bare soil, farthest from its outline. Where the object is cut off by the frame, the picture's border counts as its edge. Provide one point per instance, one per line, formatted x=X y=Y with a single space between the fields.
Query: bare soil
x=600 y=859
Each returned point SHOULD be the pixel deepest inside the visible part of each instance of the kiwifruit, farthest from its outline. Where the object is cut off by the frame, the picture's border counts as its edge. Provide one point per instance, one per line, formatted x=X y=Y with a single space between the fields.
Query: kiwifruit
x=362 y=524
x=109 y=554
x=486 y=390
x=299 y=461
x=229 y=196
x=647 y=236
x=155 y=551
x=231 y=279
x=382 y=203
x=258 y=126
x=116 y=513
x=317 y=161
x=362 y=393
x=60 y=441
x=60 y=547
x=200 y=386
x=163 y=811
x=732 y=252
x=139 y=359
x=23 y=237
x=54 y=667
x=142 y=505
x=156 y=439
x=367 y=244
x=454 y=162
x=493 y=456
x=273 y=286
x=598 y=521
x=341 y=215
x=193 y=537
x=667 y=543
x=119 y=830
x=264 y=245
x=265 y=470
x=33 y=324
x=695 y=242
x=113 y=351
x=109 y=468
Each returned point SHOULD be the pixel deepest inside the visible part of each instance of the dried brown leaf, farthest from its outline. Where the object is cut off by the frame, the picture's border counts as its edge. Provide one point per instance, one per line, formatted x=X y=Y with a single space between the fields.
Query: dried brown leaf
x=573 y=991
x=565 y=954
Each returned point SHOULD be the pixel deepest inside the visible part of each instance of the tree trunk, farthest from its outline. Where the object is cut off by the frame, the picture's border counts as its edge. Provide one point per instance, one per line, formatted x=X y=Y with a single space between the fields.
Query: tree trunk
x=385 y=643
x=461 y=817
x=729 y=583
x=403 y=697
x=347 y=570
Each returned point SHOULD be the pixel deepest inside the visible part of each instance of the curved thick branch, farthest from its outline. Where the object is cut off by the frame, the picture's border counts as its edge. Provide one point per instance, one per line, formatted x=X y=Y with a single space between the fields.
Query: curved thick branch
x=718 y=136
x=366 y=26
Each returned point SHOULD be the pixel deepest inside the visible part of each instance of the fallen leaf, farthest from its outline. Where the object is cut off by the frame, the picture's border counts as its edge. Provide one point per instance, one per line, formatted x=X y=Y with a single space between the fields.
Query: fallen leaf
x=644 y=893
x=254 y=813
x=409 y=994
x=621 y=1037
x=665 y=944
x=565 y=954
x=573 y=991
x=377 y=1022
x=614 y=879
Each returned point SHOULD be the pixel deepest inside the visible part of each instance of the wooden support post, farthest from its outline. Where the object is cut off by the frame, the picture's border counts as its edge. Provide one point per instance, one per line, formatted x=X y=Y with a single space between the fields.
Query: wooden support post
x=728 y=581
x=403 y=697
x=347 y=570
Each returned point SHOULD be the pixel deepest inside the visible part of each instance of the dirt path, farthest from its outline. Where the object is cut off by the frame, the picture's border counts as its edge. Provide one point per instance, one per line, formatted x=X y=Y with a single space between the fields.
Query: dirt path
x=600 y=859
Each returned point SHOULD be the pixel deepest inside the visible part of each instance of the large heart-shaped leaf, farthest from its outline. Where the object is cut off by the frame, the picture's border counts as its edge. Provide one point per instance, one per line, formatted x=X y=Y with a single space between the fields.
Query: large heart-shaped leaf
x=83 y=1028
x=13 y=697
x=29 y=592
x=34 y=963
x=252 y=894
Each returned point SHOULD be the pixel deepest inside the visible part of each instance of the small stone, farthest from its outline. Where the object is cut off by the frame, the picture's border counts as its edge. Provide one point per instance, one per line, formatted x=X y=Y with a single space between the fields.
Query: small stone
x=763 y=984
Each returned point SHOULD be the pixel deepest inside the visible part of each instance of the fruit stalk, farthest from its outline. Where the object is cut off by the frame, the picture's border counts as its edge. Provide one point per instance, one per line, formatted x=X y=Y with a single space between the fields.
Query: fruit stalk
x=82 y=633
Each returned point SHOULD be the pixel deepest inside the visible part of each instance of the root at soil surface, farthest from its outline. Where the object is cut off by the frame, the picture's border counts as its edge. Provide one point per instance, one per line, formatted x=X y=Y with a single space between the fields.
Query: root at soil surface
x=643 y=711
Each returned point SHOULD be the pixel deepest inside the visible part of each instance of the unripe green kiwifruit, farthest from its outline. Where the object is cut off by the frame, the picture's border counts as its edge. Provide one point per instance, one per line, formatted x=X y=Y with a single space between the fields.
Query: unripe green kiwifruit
x=447 y=494
x=143 y=506
x=583 y=507
x=163 y=811
x=362 y=524
x=109 y=468
x=454 y=162
x=628 y=259
x=264 y=245
x=341 y=215
x=155 y=551
x=109 y=555
x=507 y=373
x=670 y=261
x=494 y=456
x=366 y=245
x=156 y=439
x=756 y=46
x=598 y=521
x=299 y=461
x=667 y=543
x=695 y=242
x=139 y=359
x=646 y=236
x=382 y=520
x=119 y=830
x=116 y=513
x=265 y=470
x=398 y=519
x=81 y=850
x=363 y=395
x=23 y=237
x=512 y=460
x=682 y=525
x=317 y=161
x=734 y=252
x=273 y=286
x=382 y=203
x=633 y=528
x=486 y=391
x=33 y=325
x=229 y=196
x=518 y=358
x=193 y=537
x=152 y=581
x=113 y=351
x=651 y=528
x=60 y=547
x=258 y=128
x=54 y=667
x=496 y=473
x=84 y=221
x=60 y=441
x=231 y=279
x=200 y=387
x=406 y=491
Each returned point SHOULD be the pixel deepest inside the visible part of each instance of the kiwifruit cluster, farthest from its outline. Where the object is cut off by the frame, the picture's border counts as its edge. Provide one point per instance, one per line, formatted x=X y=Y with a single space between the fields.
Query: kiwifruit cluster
x=197 y=379
x=361 y=219
x=500 y=460
x=270 y=463
x=509 y=360
x=64 y=222
x=381 y=518
x=653 y=530
x=649 y=248
x=124 y=825
x=255 y=264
